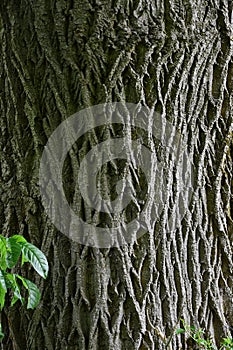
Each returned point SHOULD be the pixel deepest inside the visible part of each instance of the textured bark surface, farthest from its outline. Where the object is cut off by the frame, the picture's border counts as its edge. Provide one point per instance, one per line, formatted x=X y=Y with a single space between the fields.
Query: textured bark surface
x=58 y=57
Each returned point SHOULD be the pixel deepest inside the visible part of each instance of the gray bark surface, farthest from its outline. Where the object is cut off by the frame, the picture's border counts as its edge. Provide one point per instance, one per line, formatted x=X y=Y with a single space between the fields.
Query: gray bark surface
x=59 y=57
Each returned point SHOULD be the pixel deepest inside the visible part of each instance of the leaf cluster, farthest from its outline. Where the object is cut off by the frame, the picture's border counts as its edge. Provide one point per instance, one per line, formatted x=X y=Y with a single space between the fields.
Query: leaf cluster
x=198 y=336
x=10 y=251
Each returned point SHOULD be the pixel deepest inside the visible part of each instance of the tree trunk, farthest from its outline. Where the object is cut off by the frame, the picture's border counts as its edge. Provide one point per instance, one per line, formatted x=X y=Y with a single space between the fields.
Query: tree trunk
x=172 y=56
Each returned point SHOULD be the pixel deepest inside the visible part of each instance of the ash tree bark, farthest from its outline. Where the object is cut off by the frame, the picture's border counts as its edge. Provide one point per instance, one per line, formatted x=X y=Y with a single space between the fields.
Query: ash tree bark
x=175 y=56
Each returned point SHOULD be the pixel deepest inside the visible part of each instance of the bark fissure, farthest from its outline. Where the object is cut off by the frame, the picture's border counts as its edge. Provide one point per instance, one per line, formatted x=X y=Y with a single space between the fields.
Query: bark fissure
x=175 y=57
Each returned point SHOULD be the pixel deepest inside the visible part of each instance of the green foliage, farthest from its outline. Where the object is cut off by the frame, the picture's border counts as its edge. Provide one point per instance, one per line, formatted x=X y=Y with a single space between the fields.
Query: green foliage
x=198 y=335
x=227 y=344
x=10 y=250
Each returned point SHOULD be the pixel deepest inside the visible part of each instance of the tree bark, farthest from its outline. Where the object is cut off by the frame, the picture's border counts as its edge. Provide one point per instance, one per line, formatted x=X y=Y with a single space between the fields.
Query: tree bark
x=59 y=57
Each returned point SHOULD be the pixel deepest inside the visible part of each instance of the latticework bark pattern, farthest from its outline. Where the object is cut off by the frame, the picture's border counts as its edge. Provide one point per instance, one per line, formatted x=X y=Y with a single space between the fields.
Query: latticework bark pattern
x=58 y=57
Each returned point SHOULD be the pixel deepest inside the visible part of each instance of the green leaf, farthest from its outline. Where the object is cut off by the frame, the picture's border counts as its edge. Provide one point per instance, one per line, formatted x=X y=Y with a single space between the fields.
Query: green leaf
x=12 y=283
x=201 y=341
x=3 y=252
x=10 y=280
x=13 y=252
x=2 y=297
x=227 y=341
x=180 y=330
x=36 y=258
x=18 y=239
x=23 y=259
x=34 y=293
x=3 y=289
x=2 y=280
x=16 y=298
